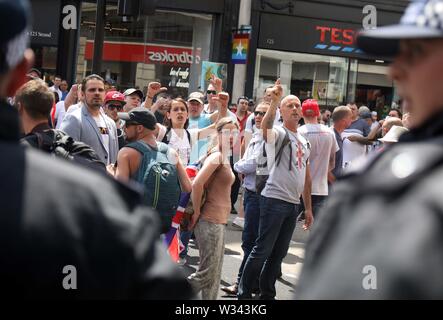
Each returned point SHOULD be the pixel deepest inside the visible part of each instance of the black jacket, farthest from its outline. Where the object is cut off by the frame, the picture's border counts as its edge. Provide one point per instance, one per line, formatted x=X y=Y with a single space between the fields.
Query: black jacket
x=75 y=218
x=380 y=235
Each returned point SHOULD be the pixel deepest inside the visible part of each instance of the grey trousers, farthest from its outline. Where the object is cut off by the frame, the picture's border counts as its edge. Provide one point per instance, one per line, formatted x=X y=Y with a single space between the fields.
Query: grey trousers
x=211 y=244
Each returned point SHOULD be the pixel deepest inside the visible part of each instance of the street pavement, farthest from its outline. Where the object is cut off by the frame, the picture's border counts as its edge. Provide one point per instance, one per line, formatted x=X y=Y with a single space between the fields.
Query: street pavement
x=291 y=266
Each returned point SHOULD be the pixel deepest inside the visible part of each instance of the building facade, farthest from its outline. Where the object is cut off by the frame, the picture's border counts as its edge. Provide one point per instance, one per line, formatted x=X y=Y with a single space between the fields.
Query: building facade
x=169 y=46
x=310 y=46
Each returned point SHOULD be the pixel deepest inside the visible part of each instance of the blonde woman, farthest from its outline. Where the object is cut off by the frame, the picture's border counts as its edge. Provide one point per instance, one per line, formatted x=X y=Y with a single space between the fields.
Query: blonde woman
x=216 y=178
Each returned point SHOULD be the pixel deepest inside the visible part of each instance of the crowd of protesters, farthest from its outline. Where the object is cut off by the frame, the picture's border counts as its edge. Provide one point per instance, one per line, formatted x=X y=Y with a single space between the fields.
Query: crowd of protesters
x=287 y=169
x=128 y=164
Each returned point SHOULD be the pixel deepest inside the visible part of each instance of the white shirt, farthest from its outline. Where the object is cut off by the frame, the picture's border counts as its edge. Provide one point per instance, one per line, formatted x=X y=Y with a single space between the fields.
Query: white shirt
x=104 y=130
x=59 y=113
x=351 y=150
x=180 y=144
x=251 y=128
x=59 y=92
x=323 y=147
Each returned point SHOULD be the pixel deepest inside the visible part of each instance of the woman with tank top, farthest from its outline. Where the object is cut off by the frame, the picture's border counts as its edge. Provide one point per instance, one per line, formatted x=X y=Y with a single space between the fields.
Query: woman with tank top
x=216 y=178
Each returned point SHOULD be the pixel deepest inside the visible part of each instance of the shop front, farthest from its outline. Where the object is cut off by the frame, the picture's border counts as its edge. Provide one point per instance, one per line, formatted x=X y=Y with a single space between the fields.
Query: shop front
x=318 y=59
x=44 y=35
x=168 y=46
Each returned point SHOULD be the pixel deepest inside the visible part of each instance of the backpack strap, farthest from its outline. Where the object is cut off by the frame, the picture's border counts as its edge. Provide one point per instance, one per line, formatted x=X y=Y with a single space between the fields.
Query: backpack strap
x=286 y=140
x=167 y=138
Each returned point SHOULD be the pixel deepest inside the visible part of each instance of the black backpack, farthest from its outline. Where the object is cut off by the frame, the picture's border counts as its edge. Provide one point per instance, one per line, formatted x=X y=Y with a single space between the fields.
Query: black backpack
x=59 y=144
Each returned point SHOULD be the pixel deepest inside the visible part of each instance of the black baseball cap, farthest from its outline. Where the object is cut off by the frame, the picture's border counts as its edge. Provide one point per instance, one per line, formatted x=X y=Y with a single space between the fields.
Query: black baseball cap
x=423 y=19
x=140 y=115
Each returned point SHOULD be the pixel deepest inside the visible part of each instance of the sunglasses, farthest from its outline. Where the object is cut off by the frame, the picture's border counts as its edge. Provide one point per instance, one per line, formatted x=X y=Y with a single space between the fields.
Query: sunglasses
x=112 y=107
x=259 y=113
x=211 y=92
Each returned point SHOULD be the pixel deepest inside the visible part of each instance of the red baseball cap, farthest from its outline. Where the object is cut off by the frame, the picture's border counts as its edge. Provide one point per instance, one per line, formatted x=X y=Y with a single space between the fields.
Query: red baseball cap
x=115 y=96
x=310 y=105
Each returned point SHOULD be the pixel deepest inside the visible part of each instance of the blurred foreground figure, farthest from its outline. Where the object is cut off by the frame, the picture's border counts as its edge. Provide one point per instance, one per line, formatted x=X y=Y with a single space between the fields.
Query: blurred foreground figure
x=66 y=232
x=381 y=233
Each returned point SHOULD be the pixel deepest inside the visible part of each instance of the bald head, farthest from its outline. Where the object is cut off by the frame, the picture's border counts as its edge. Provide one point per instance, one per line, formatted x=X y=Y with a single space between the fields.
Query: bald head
x=290 y=110
x=290 y=99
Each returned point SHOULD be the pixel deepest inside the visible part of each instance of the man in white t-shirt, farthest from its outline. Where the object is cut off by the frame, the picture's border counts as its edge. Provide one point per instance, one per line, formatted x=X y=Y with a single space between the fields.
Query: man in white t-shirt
x=323 y=149
x=289 y=178
x=56 y=87
x=354 y=138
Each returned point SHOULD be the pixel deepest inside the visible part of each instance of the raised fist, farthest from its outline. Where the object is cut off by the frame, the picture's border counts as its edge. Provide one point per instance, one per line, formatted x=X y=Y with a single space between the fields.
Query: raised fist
x=155 y=88
x=222 y=98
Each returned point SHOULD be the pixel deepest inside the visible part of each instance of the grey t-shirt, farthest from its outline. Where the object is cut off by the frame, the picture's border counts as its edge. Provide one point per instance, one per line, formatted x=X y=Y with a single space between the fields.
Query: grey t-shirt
x=283 y=183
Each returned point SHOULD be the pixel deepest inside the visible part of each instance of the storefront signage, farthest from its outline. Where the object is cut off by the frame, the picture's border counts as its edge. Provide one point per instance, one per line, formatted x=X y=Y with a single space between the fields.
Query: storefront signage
x=336 y=39
x=147 y=53
x=296 y=34
x=179 y=77
x=45 y=22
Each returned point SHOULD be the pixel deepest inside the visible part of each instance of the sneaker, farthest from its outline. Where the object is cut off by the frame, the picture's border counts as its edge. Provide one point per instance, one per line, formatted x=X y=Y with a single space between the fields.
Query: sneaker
x=231 y=290
x=239 y=222
x=181 y=261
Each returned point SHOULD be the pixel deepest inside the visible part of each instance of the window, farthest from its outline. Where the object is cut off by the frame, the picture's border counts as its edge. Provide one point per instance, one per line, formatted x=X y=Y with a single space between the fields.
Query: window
x=167 y=47
x=304 y=75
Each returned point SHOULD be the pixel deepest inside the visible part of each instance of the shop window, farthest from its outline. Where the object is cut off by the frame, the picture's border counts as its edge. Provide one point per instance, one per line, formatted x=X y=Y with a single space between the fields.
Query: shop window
x=46 y=61
x=167 y=47
x=373 y=88
x=305 y=75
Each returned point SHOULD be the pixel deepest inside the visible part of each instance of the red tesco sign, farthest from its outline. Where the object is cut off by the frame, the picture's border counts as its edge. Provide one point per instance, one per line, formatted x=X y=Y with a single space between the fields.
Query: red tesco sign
x=337 y=35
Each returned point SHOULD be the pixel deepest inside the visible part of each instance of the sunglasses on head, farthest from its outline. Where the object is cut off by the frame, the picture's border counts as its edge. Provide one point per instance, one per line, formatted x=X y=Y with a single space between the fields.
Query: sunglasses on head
x=112 y=107
x=211 y=92
x=259 y=113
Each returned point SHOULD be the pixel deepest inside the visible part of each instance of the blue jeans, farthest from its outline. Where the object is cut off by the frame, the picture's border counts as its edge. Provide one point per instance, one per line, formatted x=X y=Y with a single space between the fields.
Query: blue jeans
x=251 y=204
x=318 y=203
x=276 y=226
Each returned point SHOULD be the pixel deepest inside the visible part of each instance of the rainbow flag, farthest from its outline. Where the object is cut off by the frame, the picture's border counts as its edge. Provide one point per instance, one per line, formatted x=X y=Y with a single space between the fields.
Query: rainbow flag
x=240 y=45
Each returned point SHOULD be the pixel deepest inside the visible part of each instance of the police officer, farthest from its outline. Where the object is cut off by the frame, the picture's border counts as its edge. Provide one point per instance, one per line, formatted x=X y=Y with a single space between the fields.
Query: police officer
x=66 y=232
x=381 y=236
